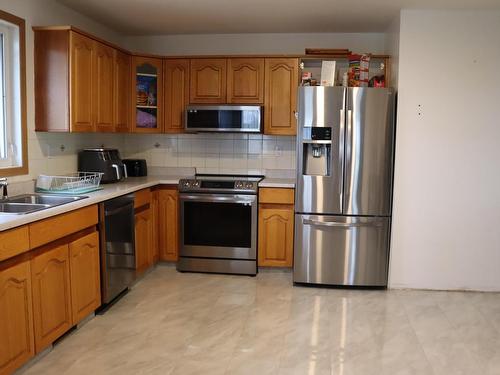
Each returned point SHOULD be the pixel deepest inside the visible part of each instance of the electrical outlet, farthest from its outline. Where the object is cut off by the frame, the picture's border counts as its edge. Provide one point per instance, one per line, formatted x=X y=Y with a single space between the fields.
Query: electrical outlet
x=278 y=150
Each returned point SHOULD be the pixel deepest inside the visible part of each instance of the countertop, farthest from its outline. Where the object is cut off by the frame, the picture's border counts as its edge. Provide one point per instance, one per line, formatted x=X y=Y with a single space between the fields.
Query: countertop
x=110 y=191
x=277 y=182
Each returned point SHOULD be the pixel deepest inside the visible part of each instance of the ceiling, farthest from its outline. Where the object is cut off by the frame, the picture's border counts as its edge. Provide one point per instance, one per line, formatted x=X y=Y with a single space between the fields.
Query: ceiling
x=155 y=17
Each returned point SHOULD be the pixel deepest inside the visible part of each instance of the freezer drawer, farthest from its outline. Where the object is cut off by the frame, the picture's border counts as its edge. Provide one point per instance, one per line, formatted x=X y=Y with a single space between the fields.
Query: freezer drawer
x=341 y=250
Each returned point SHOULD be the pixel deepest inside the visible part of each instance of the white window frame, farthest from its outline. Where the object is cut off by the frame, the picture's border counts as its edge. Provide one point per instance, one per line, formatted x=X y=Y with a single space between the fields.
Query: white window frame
x=13 y=141
x=10 y=96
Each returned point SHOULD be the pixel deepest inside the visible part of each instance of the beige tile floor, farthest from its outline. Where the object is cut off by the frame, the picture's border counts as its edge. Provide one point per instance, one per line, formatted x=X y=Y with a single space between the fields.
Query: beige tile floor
x=173 y=323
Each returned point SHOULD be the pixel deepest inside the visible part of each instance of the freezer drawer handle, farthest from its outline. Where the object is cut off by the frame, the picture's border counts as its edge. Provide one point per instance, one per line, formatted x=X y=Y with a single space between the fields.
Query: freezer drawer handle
x=340 y=225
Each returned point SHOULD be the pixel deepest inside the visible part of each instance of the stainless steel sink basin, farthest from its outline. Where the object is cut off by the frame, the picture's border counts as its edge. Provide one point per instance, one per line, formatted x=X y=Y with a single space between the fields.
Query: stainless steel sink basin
x=28 y=203
x=21 y=208
x=52 y=200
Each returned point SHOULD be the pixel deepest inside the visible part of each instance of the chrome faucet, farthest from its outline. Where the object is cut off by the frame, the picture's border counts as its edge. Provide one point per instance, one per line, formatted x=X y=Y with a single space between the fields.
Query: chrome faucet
x=3 y=185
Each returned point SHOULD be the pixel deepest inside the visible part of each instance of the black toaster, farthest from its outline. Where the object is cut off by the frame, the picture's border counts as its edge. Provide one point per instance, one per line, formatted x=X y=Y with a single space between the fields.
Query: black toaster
x=104 y=160
x=136 y=167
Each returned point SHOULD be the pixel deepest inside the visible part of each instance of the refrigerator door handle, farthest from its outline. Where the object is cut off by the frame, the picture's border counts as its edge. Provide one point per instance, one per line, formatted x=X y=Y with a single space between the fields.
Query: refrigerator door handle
x=333 y=224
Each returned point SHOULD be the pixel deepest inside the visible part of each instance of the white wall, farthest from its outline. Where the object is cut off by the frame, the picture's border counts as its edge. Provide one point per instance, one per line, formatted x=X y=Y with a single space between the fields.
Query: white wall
x=254 y=43
x=44 y=151
x=447 y=179
x=391 y=47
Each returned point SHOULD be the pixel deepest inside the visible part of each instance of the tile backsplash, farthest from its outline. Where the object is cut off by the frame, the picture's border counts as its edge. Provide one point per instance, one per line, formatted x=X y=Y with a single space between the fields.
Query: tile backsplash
x=53 y=153
x=213 y=152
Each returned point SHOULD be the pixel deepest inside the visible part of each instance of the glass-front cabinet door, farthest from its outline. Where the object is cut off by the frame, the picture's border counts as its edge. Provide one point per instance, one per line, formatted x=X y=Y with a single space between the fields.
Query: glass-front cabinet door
x=148 y=98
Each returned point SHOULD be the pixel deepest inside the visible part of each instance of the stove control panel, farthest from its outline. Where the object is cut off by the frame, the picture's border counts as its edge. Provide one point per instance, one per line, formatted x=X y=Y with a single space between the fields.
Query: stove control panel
x=214 y=185
x=244 y=185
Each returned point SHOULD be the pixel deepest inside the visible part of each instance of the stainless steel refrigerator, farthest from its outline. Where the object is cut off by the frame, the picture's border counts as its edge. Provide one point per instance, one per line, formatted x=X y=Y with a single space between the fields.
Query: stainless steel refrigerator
x=345 y=147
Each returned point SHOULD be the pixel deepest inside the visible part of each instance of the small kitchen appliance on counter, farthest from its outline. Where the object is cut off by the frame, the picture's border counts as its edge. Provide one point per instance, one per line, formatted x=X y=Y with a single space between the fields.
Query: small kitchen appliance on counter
x=136 y=167
x=218 y=224
x=104 y=160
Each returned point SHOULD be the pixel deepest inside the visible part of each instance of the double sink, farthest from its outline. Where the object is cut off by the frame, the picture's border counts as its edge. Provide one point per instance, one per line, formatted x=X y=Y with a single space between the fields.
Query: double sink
x=28 y=203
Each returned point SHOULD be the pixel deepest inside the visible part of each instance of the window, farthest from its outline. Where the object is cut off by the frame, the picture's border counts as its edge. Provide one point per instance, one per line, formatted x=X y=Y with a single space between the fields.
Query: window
x=13 y=153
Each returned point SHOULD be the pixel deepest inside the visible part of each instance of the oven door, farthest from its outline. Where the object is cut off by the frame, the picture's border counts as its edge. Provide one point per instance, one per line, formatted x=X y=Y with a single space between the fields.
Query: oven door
x=218 y=226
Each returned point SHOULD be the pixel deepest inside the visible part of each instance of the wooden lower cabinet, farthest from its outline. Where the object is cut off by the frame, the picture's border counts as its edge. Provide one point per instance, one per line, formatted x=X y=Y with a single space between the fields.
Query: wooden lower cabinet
x=16 y=322
x=51 y=295
x=276 y=227
x=168 y=215
x=85 y=276
x=155 y=195
x=143 y=240
x=276 y=235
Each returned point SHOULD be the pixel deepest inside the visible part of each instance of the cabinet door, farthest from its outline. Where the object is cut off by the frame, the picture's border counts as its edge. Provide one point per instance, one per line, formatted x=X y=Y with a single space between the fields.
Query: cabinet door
x=122 y=92
x=16 y=323
x=82 y=57
x=207 y=81
x=176 y=86
x=85 y=276
x=103 y=87
x=155 y=224
x=143 y=240
x=168 y=203
x=51 y=296
x=280 y=99
x=245 y=80
x=147 y=100
x=275 y=235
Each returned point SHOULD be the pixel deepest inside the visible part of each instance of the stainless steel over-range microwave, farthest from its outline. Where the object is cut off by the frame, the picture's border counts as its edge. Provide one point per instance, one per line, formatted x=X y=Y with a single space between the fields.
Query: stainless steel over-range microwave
x=223 y=118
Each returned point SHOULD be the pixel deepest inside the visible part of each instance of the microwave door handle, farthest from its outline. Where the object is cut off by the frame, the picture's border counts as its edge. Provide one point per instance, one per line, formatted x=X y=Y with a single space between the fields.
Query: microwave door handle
x=117 y=170
x=125 y=172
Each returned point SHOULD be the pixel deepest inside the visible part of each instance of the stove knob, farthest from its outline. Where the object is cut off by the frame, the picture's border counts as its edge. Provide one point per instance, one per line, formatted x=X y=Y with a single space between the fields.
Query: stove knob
x=238 y=185
x=249 y=185
x=186 y=184
x=196 y=184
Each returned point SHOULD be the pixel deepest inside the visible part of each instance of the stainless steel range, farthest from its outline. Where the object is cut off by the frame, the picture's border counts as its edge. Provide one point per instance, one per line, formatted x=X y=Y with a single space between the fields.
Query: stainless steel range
x=218 y=224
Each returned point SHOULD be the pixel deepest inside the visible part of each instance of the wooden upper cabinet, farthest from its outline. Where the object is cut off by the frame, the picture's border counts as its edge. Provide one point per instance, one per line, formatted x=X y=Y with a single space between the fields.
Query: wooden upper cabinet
x=280 y=101
x=85 y=276
x=207 y=81
x=122 y=92
x=51 y=295
x=103 y=87
x=245 y=80
x=168 y=215
x=176 y=90
x=16 y=312
x=81 y=84
x=82 y=62
x=147 y=94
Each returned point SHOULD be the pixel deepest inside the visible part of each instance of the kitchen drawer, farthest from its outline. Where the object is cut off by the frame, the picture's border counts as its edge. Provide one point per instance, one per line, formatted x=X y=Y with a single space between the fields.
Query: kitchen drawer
x=54 y=228
x=13 y=242
x=276 y=195
x=142 y=198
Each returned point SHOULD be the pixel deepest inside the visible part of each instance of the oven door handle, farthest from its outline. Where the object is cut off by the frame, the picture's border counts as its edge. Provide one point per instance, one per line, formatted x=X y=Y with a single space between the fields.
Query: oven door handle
x=216 y=198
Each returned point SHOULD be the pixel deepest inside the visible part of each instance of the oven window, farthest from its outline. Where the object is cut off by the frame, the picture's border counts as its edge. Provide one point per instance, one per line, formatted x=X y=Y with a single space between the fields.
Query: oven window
x=217 y=224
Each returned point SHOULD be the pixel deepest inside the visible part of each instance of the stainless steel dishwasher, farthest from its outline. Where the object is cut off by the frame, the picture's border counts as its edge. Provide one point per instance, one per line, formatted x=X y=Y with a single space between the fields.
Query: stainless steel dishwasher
x=117 y=246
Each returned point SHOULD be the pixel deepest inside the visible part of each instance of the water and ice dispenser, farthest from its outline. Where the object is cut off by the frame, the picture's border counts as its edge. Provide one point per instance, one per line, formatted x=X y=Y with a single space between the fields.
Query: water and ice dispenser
x=316 y=153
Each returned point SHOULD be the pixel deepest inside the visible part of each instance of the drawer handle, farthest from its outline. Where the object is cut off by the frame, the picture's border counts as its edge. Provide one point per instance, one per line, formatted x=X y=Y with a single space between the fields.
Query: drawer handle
x=333 y=224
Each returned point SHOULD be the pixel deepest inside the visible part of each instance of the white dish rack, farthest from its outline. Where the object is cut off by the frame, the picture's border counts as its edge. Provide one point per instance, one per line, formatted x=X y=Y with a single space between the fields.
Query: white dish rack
x=73 y=183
